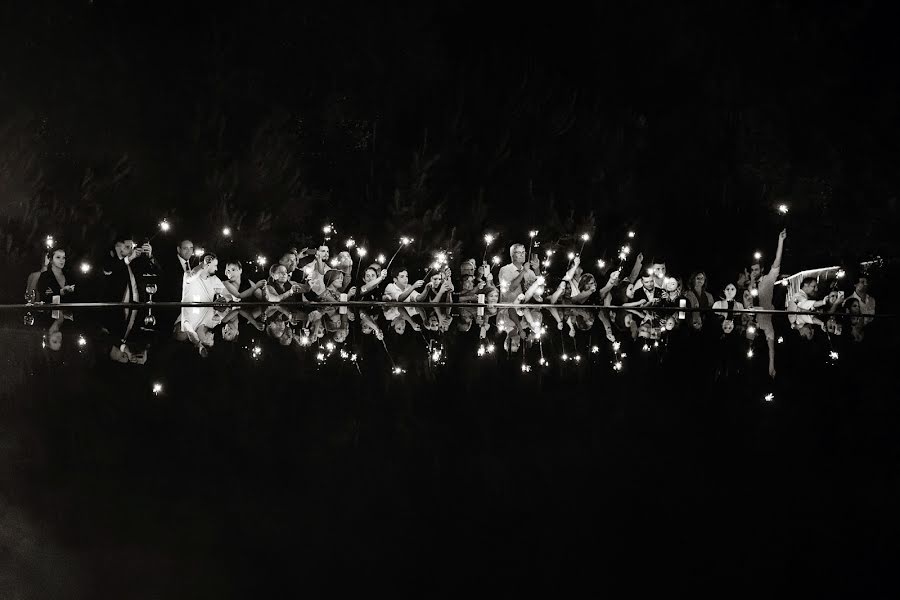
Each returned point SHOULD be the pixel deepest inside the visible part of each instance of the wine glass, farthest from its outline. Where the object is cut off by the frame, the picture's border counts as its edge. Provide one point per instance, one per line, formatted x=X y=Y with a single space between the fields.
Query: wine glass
x=30 y=296
x=151 y=289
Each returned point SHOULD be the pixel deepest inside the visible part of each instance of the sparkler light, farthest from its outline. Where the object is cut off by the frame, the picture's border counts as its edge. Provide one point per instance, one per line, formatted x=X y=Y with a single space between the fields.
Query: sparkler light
x=601 y=263
x=226 y=231
x=304 y=340
x=757 y=255
x=261 y=260
x=350 y=243
x=361 y=252
x=85 y=268
x=164 y=226
x=750 y=353
x=533 y=233
x=330 y=346
x=327 y=229
x=626 y=249
x=198 y=252
x=496 y=260
x=380 y=259
x=81 y=341
x=488 y=239
x=780 y=340
x=526 y=368
x=646 y=348
x=490 y=348
x=783 y=209
x=404 y=241
x=570 y=255
x=833 y=355
x=754 y=292
x=631 y=234
x=564 y=357
x=841 y=273
x=320 y=356
x=49 y=241
x=157 y=388
x=595 y=349
x=398 y=371
x=769 y=397
x=481 y=350
x=751 y=330
x=617 y=366
x=256 y=352
x=616 y=346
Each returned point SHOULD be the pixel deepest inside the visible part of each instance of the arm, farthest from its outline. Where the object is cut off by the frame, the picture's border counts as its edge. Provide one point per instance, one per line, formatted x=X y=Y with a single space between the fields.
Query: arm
x=775 y=271
x=636 y=270
x=273 y=296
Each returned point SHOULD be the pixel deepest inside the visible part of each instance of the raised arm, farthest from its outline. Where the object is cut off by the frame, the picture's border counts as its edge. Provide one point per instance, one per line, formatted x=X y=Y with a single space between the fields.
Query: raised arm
x=775 y=271
x=636 y=270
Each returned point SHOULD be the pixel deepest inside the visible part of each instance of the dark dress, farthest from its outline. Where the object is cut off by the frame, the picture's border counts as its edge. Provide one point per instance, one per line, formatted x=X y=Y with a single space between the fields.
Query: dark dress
x=47 y=287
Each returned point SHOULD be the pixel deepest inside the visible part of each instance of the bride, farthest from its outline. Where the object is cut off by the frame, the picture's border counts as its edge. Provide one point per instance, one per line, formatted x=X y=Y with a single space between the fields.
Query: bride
x=202 y=285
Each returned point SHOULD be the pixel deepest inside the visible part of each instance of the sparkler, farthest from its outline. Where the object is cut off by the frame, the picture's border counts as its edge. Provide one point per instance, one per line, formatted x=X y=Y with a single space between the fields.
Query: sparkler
x=261 y=260
x=841 y=273
x=783 y=209
x=49 y=241
x=488 y=240
x=757 y=255
x=198 y=252
x=81 y=341
x=85 y=268
x=350 y=243
x=532 y=234
x=157 y=388
x=360 y=253
x=163 y=227
x=404 y=241
x=380 y=259
x=226 y=231
x=769 y=397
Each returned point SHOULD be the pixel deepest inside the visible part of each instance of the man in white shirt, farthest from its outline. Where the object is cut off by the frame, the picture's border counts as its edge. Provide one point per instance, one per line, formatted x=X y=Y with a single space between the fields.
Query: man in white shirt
x=400 y=291
x=861 y=293
x=202 y=285
x=516 y=277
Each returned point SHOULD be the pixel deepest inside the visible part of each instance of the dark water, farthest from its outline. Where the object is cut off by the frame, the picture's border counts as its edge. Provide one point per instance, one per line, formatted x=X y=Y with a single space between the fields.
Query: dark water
x=261 y=469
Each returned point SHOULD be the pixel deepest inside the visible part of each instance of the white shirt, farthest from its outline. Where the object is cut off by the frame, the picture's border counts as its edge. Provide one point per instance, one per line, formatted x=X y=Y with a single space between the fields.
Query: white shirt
x=393 y=292
x=184 y=264
x=507 y=274
x=197 y=289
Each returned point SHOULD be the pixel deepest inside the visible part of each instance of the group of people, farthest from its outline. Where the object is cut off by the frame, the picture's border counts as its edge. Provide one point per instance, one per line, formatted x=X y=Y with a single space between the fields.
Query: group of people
x=644 y=303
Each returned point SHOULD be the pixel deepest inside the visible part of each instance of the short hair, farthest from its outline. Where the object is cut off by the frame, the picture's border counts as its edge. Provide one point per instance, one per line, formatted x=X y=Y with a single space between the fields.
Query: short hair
x=274 y=269
x=395 y=272
x=806 y=281
x=236 y=263
x=181 y=243
x=208 y=257
x=120 y=238
x=466 y=277
x=513 y=248
x=330 y=276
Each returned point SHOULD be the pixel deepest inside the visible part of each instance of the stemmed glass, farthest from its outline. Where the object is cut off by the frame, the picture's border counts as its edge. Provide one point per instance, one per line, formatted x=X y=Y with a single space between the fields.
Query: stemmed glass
x=151 y=289
x=30 y=296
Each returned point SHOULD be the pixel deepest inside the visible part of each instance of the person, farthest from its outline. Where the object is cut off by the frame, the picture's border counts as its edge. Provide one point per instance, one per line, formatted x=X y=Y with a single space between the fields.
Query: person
x=315 y=271
x=279 y=288
x=31 y=283
x=122 y=269
x=239 y=288
x=802 y=301
x=765 y=286
x=401 y=291
x=203 y=285
x=174 y=267
x=866 y=300
x=52 y=282
x=517 y=276
x=334 y=286
x=725 y=308
x=698 y=297
x=659 y=273
x=647 y=293
x=371 y=280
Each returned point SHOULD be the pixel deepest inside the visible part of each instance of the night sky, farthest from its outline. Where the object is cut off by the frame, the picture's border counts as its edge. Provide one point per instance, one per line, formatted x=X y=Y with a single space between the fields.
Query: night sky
x=687 y=123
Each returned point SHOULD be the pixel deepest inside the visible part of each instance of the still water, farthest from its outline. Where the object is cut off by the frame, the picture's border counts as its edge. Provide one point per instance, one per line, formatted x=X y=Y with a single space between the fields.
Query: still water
x=258 y=457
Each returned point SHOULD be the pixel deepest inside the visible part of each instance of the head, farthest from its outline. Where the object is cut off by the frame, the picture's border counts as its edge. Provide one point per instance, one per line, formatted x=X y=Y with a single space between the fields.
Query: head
x=517 y=254
x=275 y=328
x=233 y=270
x=809 y=286
x=852 y=306
x=436 y=281
x=333 y=279
x=755 y=271
x=746 y=298
x=806 y=331
x=467 y=283
x=467 y=268
x=647 y=282
x=344 y=260
x=659 y=270
x=672 y=285
x=57 y=258
x=491 y=295
x=278 y=273
x=730 y=292
x=289 y=261
x=185 y=249
x=670 y=323
x=54 y=340
x=210 y=263
x=399 y=325
x=230 y=331
x=698 y=281
x=377 y=268
x=861 y=287
x=323 y=252
x=401 y=277
x=124 y=246
x=727 y=326
x=370 y=275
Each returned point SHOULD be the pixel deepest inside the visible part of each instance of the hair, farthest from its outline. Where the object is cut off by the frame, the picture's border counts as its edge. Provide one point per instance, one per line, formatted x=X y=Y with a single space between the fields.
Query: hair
x=395 y=272
x=375 y=267
x=806 y=281
x=512 y=249
x=120 y=238
x=208 y=257
x=181 y=243
x=586 y=280
x=54 y=250
x=330 y=276
x=466 y=277
x=692 y=280
x=236 y=263
x=274 y=268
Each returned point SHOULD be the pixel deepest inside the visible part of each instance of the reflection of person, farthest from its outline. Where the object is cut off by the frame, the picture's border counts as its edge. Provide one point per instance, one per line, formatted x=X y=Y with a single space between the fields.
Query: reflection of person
x=123 y=268
x=52 y=282
x=865 y=300
x=31 y=283
x=202 y=285
x=174 y=267
x=517 y=276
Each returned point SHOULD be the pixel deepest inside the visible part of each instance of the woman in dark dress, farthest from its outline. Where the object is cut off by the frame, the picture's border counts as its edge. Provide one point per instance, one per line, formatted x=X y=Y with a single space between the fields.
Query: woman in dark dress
x=52 y=282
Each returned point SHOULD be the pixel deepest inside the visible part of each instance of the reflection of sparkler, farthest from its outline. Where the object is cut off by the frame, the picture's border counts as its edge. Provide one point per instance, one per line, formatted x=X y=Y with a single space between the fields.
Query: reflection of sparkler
x=226 y=231
x=769 y=397
x=783 y=209
x=81 y=341
x=157 y=388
